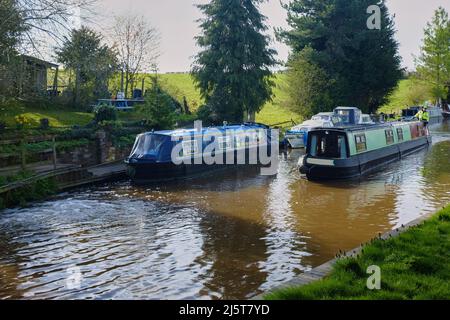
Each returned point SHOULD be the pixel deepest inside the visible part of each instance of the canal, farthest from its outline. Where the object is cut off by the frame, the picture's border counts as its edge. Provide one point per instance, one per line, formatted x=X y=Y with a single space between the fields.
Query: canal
x=230 y=235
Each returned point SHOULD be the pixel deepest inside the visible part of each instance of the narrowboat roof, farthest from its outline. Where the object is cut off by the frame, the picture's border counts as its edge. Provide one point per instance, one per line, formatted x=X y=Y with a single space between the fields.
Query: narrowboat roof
x=183 y=132
x=361 y=127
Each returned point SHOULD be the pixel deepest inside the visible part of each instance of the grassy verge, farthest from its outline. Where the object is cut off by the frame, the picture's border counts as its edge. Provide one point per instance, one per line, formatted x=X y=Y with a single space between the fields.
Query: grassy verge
x=414 y=265
x=58 y=117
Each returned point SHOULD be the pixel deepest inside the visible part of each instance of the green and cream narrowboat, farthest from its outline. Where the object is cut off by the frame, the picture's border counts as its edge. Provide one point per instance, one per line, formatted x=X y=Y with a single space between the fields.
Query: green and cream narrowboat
x=348 y=152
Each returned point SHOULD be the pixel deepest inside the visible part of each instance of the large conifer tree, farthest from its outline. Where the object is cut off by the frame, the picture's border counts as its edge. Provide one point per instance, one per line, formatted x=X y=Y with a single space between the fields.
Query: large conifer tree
x=356 y=65
x=233 y=69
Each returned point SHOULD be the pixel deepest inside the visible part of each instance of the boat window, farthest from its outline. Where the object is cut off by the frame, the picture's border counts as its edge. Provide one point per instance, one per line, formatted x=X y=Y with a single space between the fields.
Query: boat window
x=190 y=147
x=147 y=144
x=224 y=142
x=328 y=144
x=389 y=136
x=361 y=143
x=344 y=115
x=400 y=134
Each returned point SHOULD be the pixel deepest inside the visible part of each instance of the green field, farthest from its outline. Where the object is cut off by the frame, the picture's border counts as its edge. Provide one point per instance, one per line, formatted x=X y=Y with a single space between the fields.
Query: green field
x=414 y=265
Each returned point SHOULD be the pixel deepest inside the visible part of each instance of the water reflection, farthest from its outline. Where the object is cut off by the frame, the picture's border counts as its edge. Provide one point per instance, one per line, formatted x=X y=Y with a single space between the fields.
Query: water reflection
x=232 y=234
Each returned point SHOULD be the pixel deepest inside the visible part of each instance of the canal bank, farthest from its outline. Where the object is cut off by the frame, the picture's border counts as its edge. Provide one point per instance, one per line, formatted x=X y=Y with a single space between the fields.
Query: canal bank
x=413 y=263
x=40 y=186
x=231 y=235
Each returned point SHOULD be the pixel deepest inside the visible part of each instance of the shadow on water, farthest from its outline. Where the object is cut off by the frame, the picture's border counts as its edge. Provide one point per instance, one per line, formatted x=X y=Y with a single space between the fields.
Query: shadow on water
x=232 y=234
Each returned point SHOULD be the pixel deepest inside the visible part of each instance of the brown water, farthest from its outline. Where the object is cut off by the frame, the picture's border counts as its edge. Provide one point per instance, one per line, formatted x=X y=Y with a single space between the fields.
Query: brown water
x=229 y=235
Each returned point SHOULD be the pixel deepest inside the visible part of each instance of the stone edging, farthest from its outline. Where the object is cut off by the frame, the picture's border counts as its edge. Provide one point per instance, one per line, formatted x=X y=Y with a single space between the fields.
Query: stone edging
x=323 y=270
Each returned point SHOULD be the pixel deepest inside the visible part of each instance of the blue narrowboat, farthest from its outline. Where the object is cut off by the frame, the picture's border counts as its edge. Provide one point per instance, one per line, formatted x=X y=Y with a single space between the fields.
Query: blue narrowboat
x=348 y=152
x=178 y=154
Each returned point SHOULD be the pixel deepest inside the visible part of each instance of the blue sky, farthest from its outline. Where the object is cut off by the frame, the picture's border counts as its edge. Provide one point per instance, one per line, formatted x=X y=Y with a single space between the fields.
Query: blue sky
x=176 y=21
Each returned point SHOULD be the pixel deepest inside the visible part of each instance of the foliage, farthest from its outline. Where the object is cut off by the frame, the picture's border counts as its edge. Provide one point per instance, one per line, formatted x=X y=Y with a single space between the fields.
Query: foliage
x=138 y=47
x=409 y=92
x=36 y=190
x=349 y=63
x=233 y=69
x=105 y=113
x=11 y=27
x=158 y=109
x=207 y=115
x=93 y=63
x=124 y=141
x=304 y=78
x=414 y=266
x=433 y=64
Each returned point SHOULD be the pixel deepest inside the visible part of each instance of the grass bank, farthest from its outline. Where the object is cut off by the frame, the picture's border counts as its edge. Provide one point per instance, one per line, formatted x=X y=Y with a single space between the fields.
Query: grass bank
x=414 y=265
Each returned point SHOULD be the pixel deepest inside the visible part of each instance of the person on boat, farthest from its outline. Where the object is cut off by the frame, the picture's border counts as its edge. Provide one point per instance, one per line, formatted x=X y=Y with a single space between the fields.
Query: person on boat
x=419 y=115
x=425 y=117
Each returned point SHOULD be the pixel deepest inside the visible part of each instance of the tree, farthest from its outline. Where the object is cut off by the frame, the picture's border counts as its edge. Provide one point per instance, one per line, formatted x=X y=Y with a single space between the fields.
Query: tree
x=93 y=62
x=233 y=69
x=355 y=65
x=433 y=63
x=158 y=108
x=304 y=78
x=11 y=28
x=138 y=47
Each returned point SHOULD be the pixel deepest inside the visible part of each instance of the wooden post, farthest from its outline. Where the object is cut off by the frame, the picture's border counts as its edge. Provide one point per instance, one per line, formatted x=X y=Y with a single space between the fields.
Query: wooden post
x=23 y=155
x=55 y=82
x=54 y=152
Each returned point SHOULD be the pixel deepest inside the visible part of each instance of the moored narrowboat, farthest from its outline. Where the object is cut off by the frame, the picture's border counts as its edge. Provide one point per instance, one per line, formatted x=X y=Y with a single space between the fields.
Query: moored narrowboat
x=183 y=153
x=349 y=152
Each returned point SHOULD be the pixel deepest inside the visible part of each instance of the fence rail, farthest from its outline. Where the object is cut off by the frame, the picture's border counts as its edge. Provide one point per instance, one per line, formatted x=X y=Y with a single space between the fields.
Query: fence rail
x=23 y=152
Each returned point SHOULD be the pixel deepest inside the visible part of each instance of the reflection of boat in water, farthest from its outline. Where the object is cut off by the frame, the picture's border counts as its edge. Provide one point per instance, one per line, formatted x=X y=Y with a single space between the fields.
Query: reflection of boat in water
x=175 y=154
x=347 y=152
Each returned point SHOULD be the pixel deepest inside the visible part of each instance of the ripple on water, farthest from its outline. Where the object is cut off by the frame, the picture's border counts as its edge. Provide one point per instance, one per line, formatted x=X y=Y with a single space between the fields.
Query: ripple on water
x=226 y=236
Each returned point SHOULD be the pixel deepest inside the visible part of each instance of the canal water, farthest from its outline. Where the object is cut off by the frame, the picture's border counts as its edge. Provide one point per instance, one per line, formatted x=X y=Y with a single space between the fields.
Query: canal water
x=229 y=235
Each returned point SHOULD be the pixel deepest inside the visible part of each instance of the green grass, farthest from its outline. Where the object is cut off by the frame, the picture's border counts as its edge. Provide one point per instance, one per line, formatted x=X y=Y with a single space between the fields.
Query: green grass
x=409 y=92
x=179 y=85
x=414 y=265
x=57 y=117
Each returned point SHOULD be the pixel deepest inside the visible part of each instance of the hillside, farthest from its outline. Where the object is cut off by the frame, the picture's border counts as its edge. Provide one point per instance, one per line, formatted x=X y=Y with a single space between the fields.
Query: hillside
x=409 y=92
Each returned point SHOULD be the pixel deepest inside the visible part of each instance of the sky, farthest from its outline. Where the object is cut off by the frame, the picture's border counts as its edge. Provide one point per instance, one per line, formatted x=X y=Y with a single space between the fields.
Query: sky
x=176 y=22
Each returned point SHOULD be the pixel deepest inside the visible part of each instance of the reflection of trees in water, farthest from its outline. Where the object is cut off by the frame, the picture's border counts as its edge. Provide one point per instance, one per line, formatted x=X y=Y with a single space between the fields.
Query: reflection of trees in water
x=437 y=162
x=234 y=249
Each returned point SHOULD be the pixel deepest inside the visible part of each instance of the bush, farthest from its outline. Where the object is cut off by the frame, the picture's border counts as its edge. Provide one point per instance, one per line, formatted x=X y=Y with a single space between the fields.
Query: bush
x=2 y=126
x=105 y=113
x=158 y=110
x=206 y=114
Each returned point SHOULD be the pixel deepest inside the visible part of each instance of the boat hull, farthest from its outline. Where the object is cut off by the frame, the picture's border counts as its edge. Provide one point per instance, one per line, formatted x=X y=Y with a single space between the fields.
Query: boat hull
x=142 y=172
x=361 y=164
